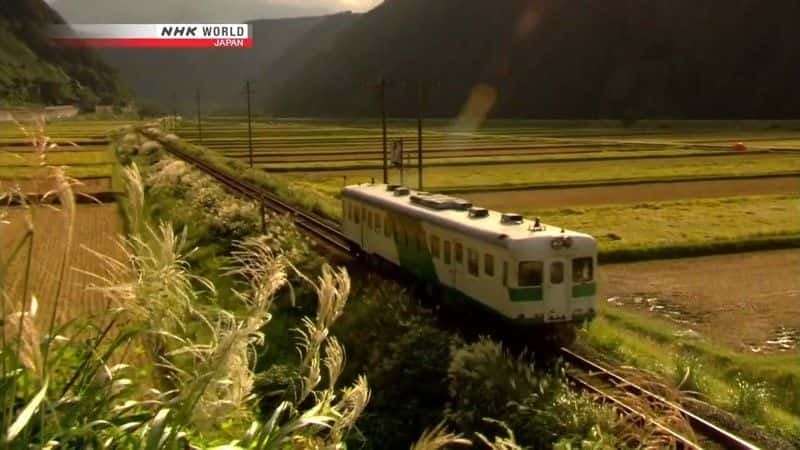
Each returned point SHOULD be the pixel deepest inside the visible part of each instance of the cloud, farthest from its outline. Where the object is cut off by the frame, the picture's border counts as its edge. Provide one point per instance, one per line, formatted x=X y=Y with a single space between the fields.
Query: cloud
x=213 y=11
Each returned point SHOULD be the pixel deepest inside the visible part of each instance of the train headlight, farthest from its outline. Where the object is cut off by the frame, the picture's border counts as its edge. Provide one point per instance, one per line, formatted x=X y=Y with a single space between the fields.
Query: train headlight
x=561 y=242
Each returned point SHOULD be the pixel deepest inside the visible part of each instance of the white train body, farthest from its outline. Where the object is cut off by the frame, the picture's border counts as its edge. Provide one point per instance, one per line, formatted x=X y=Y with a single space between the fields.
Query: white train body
x=520 y=269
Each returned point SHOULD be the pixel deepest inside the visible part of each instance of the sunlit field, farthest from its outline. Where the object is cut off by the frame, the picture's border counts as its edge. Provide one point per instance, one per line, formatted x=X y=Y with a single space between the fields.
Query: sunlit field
x=643 y=176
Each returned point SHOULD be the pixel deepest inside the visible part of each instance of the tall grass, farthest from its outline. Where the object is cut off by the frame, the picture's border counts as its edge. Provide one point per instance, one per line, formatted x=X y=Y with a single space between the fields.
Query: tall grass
x=86 y=396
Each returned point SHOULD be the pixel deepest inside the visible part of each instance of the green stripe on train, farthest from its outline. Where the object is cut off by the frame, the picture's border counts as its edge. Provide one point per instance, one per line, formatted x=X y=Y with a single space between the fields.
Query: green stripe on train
x=412 y=250
x=584 y=290
x=531 y=294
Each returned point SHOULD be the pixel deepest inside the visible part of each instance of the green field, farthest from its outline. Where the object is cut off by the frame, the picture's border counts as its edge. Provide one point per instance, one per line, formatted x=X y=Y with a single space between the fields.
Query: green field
x=508 y=175
x=664 y=229
x=78 y=131
x=82 y=146
x=326 y=155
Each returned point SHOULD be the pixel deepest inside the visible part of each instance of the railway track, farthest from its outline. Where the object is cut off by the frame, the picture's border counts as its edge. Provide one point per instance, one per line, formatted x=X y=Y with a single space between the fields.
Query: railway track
x=312 y=225
x=594 y=378
x=616 y=390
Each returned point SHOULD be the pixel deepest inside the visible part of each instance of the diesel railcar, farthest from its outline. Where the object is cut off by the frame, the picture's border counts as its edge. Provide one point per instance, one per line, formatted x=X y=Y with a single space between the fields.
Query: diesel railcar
x=525 y=271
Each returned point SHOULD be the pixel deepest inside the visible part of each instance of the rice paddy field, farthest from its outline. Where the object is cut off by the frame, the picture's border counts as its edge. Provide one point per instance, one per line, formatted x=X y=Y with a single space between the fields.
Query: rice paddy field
x=82 y=148
x=79 y=145
x=652 y=187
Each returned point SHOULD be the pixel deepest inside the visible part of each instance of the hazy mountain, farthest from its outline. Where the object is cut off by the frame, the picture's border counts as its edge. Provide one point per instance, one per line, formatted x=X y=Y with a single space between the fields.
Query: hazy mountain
x=219 y=74
x=34 y=70
x=196 y=11
x=557 y=58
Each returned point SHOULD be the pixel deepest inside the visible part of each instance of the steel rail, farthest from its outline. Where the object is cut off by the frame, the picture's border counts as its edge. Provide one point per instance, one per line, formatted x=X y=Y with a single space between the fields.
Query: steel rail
x=700 y=425
x=311 y=224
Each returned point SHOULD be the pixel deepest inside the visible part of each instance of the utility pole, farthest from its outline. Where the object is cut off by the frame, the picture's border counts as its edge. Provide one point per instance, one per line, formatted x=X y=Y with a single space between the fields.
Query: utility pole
x=199 y=118
x=383 y=125
x=174 y=112
x=249 y=125
x=419 y=136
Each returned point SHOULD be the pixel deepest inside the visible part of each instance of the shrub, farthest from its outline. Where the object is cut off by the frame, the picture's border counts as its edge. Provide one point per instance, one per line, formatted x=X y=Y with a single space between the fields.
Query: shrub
x=688 y=373
x=486 y=382
x=484 y=379
x=750 y=398
x=410 y=385
x=558 y=414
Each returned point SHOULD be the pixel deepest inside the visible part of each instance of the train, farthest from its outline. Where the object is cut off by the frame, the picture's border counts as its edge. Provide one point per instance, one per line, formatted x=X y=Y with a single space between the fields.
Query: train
x=523 y=271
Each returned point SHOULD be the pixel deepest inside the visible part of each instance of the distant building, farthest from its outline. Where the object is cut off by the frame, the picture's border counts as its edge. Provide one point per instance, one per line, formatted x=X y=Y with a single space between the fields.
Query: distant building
x=21 y=115
x=104 y=109
x=60 y=112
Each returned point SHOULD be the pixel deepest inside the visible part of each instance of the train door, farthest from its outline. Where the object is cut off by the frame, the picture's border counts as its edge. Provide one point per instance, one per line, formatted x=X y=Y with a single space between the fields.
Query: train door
x=557 y=294
x=362 y=227
x=447 y=259
x=457 y=268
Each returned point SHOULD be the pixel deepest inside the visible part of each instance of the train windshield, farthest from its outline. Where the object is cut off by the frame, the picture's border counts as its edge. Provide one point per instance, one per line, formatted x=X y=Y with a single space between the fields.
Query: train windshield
x=530 y=273
x=582 y=270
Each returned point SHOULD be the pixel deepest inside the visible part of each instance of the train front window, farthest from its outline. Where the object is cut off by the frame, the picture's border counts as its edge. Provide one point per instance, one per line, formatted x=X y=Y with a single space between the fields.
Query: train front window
x=530 y=273
x=582 y=270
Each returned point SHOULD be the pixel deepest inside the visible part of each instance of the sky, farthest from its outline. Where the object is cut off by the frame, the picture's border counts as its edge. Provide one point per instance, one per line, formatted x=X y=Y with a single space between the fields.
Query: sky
x=198 y=11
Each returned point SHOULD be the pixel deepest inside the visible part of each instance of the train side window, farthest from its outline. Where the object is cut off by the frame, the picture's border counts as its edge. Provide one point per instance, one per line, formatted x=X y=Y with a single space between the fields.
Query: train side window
x=435 y=246
x=377 y=223
x=472 y=262
x=582 y=270
x=459 y=253
x=369 y=220
x=505 y=273
x=356 y=215
x=488 y=264
x=530 y=273
x=387 y=231
x=447 y=252
x=556 y=272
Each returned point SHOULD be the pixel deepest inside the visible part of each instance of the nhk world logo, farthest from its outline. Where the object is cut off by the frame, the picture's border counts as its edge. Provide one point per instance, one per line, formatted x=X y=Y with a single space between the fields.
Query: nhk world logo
x=154 y=35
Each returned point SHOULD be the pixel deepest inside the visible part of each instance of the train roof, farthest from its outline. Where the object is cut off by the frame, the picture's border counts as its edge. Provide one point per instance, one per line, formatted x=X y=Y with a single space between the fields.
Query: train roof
x=455 y=213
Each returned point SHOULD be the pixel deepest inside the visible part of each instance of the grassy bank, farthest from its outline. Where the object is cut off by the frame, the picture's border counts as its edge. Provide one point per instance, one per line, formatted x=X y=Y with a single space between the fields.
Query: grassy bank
x=763 y=389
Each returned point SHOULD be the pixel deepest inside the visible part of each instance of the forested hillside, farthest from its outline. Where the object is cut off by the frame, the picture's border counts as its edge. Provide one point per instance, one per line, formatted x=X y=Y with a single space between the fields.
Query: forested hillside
x=559 y=58
x=34 y=70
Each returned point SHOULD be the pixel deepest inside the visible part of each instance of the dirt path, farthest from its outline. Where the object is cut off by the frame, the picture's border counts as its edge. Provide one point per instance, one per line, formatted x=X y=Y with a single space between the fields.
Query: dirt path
x=750 y=301
x=525 y=200
x=95 y=227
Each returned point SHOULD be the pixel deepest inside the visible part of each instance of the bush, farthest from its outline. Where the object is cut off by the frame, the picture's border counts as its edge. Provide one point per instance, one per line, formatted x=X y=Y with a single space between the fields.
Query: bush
x=558 y=414
x=688 y=373
x=486 y=382
x=751 y=399
x=484 y=379
x=410 y=387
